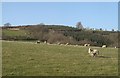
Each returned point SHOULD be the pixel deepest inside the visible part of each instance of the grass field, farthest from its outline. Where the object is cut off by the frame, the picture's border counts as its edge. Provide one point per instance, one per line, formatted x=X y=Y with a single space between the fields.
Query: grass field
x=30 y=59
x=14 y=32
x=0 y=59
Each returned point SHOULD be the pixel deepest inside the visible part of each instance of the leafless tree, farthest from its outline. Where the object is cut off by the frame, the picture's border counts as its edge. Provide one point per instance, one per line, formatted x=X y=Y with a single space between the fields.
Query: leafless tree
x=79 y=25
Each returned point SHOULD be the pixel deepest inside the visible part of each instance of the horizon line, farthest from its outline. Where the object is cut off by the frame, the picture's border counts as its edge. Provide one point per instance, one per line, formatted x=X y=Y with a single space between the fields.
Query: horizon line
x=63 y=25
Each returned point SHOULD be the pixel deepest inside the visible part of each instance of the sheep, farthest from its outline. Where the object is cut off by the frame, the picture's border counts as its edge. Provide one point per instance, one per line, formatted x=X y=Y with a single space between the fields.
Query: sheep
x=86 y=44
x=93 y=52
x=75 y=45
x=38 y=42
x=104 y=46
x=58 y=43
x=66 y=44
x=45 y=42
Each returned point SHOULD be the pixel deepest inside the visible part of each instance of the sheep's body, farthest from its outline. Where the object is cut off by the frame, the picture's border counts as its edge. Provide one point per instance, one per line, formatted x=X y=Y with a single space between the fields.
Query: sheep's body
x=93 y=52
x=104 y=46
x=86 y=44
x=45 y=42
x=38 y=42
x=66 y=44
x=58 y=43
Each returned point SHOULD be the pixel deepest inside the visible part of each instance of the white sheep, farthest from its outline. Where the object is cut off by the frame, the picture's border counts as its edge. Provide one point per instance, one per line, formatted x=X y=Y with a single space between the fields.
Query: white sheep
x=38 y=42
x=66 y=44
x=104 y=46
x=58 y=43
x=93 y=52
x=45 y=42
x=86 y=44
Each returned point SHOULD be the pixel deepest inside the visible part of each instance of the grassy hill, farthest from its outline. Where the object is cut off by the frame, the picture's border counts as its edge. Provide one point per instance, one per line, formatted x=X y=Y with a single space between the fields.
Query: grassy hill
x=63 y=34
x=1 y=58
x=14 y=33
x=30 y=59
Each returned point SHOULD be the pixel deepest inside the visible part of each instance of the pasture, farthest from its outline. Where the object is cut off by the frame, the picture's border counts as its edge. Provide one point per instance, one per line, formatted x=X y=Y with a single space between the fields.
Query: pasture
x=14 y=32
x=30 y=59
x=0 y=59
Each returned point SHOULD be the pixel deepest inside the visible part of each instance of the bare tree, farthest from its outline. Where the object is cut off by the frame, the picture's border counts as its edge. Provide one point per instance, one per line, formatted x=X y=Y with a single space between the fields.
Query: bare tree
x=112 y=29
x=79 y=25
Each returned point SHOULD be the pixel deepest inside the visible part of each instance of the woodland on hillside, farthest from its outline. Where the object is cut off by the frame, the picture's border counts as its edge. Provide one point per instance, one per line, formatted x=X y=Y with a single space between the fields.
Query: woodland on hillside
x=63 y=34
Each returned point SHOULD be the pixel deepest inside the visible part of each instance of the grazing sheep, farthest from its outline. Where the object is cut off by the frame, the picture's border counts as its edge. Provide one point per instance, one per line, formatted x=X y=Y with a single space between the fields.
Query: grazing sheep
x=45 y=42
x=86 y=44
x=75 y=45
x=38 y=42
x=93 y=52
x=58 y=43
x=66 y=44
x=104 y=46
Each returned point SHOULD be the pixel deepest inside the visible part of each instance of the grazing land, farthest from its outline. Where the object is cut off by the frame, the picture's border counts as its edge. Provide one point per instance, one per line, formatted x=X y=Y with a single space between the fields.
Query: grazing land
x=14 y=33
x=30 y=59
x=0 y=59
x=62 y=34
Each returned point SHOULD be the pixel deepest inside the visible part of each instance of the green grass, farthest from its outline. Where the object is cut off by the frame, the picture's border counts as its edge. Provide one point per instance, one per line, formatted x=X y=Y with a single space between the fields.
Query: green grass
x=14 y=32
x=29 y=59
x=0 y=59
